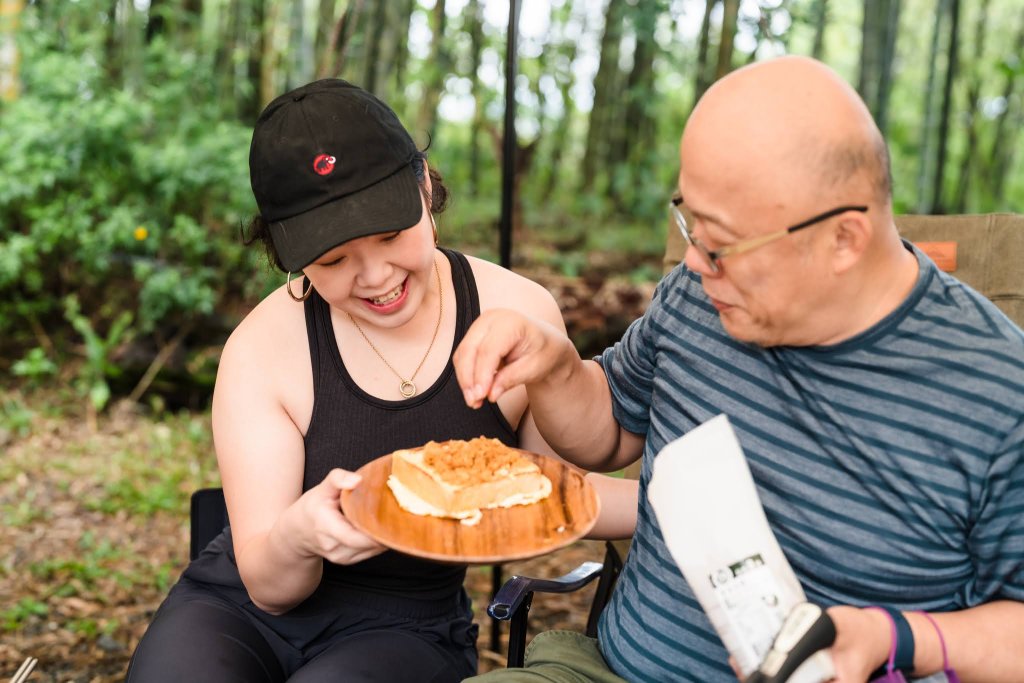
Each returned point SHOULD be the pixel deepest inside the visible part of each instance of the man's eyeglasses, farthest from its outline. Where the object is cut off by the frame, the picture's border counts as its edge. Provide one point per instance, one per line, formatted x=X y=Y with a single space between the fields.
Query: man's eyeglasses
x=714 y=256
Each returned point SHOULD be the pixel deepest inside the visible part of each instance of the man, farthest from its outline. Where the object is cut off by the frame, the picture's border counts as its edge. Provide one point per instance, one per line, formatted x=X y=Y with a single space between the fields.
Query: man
x=879 y=402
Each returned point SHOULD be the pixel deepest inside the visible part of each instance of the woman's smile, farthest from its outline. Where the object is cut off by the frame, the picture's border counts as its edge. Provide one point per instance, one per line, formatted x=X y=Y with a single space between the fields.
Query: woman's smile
x=391 y=301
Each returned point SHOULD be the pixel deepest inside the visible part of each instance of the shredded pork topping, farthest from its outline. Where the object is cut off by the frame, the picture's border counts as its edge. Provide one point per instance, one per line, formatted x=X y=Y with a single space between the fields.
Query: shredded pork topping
x=475 y=461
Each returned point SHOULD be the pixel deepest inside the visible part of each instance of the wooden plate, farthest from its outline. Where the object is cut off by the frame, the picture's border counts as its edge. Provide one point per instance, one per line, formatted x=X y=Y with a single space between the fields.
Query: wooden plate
x=503 y=534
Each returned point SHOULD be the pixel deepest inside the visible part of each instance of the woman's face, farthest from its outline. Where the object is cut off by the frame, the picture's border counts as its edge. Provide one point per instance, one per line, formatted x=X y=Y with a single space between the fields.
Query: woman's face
x=381 y=279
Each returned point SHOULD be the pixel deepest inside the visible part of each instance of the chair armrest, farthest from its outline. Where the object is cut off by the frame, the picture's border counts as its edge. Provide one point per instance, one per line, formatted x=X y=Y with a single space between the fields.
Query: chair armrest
x=512 y=602
x=518 y=588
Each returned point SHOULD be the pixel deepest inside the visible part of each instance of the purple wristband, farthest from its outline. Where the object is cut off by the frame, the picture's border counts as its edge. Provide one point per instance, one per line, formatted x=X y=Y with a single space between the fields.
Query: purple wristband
x=946 y=668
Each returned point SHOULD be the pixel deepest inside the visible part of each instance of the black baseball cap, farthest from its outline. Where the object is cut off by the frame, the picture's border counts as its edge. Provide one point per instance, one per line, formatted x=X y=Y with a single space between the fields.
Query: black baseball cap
x=328 y=163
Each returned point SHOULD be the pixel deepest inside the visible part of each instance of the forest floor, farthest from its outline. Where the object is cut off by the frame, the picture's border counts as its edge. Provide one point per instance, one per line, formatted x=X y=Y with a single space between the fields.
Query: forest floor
x=94 y=518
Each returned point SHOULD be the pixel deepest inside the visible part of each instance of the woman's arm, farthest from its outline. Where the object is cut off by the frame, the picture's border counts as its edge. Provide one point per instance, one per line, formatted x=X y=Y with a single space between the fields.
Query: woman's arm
x=281 y=535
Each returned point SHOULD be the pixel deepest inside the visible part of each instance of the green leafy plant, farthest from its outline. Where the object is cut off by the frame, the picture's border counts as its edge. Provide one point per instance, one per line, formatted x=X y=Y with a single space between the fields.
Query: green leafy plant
x=14 y=617
x=35 y=365
x=92 y=380
x=15 y=417
x=136 y=190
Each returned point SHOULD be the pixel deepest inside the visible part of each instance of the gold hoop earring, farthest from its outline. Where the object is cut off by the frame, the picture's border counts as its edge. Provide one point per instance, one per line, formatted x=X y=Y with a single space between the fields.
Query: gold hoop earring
x=288 y=286
x=434 y=223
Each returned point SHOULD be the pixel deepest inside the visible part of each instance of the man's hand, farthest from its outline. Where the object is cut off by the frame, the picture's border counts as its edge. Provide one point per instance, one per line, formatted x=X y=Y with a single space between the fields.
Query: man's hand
x=863 y=637
x=503 y=349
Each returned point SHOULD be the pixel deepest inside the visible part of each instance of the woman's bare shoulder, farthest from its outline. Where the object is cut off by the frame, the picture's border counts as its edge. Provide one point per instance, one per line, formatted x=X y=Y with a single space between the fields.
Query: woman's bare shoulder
x=273 y=334
x=502 y=288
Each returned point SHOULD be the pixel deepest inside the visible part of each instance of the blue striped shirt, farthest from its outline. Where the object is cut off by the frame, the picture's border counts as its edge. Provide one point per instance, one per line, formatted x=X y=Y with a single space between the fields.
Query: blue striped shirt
x=890 y=466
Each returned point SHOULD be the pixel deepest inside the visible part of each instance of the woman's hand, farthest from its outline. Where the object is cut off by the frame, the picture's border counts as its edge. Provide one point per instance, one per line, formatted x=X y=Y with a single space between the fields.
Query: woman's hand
x=319 y=527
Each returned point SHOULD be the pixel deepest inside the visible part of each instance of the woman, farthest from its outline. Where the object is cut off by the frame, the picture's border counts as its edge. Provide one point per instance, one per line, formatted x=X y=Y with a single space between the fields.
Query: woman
x=327 y=373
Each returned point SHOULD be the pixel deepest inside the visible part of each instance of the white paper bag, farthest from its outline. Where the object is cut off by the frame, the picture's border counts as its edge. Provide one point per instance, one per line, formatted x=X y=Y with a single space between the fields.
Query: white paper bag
x=714 y=526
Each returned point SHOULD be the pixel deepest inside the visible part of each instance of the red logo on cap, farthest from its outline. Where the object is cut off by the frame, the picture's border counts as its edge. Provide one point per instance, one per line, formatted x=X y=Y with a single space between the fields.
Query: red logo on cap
x=324 y=164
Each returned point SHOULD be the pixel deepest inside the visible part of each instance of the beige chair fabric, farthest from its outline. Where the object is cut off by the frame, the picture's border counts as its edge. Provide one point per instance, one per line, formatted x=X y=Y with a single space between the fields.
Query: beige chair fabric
x=985 y=251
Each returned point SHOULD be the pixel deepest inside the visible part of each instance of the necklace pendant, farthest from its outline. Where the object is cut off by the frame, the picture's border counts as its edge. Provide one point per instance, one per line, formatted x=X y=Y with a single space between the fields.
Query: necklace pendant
x=407 y=388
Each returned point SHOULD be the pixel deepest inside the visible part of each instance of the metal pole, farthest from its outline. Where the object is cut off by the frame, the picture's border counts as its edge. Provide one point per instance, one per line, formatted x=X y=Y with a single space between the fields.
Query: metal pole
x=508 y=170
x=508 y=155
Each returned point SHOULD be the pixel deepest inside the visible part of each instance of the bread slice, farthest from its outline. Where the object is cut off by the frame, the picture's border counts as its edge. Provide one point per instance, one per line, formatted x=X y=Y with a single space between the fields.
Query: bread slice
x=458 y=479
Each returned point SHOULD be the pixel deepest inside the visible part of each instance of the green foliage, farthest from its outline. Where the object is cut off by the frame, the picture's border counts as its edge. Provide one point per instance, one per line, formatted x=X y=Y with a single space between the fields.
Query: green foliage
x=163 y=480
x=97 y=368
x=124 y=159
x=130 y=203
x=15 y=417
x=12 y=618
x=35 y=365
x=81 y=573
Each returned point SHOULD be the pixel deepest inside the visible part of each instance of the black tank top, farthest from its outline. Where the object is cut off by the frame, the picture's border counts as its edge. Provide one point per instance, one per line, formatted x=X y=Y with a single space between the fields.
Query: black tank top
x=349 y=428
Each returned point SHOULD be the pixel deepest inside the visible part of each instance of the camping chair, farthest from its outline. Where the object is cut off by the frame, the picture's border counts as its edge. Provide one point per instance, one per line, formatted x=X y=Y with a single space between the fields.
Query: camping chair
x=208 y=515
x=985 y=251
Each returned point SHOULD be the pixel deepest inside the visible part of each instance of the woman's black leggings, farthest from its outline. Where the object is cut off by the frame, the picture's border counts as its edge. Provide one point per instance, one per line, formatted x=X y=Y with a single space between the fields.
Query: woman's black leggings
x=197 y=636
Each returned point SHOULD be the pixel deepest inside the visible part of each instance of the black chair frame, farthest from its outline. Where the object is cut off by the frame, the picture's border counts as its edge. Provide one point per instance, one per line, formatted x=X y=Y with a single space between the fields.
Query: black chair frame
x=513 y=601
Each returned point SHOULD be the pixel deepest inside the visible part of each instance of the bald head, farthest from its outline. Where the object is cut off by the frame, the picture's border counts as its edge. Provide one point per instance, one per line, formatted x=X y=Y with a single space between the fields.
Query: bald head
x=785 y=123
x=781 y=143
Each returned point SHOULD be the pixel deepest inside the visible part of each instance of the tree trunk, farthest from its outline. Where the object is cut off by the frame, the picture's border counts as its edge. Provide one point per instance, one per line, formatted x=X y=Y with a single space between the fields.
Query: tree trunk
x=820 y=22
x=437 y=61
x=605 y=94
x=878 y=46
x=635 y=141
x=475 y=20
x=390 y=21
x=375 y=30
x=947 y=102
x=703 y=45
x=112 y=43
x=270 y=65
x=344 y=29
x=973 y=109
x=398 y=102
x=1001 y=154
x=156 y=23
x=329 y=28
x=892 y=27
x=730 y=13
x=252 y=104
x=926 y=156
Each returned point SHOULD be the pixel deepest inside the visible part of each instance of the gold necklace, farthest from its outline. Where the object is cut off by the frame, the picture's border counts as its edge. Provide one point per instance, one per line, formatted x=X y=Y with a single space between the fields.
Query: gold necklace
x=407 y=387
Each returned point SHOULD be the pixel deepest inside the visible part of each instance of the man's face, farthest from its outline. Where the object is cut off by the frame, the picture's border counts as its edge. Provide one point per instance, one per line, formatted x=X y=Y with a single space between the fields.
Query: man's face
x=767 y=296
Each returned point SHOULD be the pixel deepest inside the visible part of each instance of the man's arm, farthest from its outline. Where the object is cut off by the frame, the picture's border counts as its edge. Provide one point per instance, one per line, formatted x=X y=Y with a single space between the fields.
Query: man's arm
x=984 y=643
x=569 y=397
x=618 y=496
